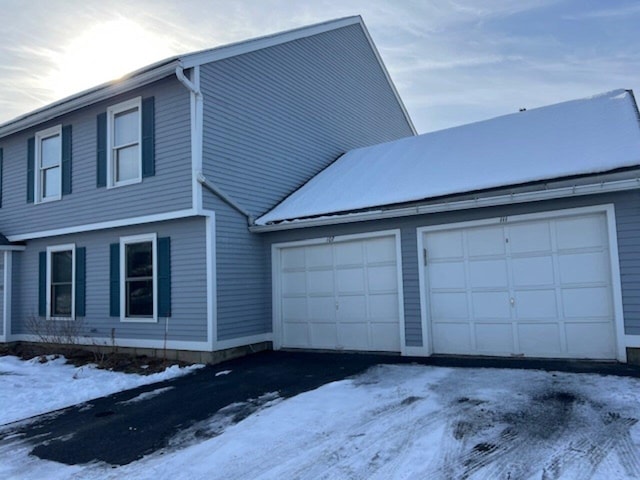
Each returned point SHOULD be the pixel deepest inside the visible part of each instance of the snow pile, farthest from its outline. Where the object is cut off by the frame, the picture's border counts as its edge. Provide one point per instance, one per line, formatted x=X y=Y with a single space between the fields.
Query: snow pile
x=30 y=388
x=585 y=136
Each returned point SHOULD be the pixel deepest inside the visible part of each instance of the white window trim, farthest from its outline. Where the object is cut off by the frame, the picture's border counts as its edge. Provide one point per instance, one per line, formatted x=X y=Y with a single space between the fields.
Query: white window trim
x=62 y=248
x=124 y=241
x=37 y=174
x=112 y=111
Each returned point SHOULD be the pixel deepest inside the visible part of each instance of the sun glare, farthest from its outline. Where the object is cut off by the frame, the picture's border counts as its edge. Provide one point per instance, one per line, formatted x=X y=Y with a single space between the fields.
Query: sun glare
x=104 y=52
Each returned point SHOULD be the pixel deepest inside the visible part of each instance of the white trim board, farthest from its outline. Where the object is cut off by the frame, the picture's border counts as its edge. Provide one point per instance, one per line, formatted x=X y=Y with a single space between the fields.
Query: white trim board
x=124 y=222
x=607 y=209
x=276 y=249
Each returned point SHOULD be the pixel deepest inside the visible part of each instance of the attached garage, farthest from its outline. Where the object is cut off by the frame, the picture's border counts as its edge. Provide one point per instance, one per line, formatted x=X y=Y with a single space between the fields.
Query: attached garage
x=537 y=286
x=341 y=293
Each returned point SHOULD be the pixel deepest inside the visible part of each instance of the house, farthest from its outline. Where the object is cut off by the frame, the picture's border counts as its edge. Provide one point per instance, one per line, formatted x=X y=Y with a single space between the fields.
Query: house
x=125 y=207
x=273 y=192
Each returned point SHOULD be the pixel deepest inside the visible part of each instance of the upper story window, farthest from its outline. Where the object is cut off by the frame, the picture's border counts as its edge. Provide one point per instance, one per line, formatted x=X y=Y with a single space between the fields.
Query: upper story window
x=48 y=178
x=124 y=143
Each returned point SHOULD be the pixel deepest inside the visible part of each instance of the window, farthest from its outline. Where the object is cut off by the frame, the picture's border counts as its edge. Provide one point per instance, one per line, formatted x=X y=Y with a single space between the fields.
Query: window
x=138 y=278
x=124 y=152
x=61 y=280
x=48 y=178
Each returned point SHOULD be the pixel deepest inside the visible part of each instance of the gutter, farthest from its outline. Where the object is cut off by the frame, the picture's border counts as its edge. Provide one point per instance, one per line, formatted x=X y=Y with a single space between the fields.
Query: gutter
x=227 y=199
x=505 y=199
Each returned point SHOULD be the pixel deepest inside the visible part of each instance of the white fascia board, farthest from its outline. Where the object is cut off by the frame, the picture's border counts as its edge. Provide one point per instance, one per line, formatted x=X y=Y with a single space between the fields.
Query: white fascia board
x=246 y=46
x=505 y=199
x=125 y=222
x=12 y=248
x=88 y=97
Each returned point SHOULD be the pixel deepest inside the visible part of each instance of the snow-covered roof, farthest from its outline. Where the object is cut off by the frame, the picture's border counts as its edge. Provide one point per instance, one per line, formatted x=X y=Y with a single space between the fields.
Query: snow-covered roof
x=586 y=136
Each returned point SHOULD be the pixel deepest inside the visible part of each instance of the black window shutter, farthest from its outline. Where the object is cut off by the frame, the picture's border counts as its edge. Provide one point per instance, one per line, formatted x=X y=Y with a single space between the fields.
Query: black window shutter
x=164 y=277
x=81 y=281
x=42 y=285
x=31 y=165
x=1 y=175
x=101 y=172
x=66 y=160
x=114 y=281
x=148 y=138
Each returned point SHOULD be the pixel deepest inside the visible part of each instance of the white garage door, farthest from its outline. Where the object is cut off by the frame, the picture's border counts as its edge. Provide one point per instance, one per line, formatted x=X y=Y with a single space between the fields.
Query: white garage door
x=340 y=295
x=537 y=288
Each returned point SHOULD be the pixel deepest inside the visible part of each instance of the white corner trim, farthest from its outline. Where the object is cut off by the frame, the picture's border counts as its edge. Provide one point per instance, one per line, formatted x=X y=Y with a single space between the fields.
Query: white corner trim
x=212 y=320
x=125 y=222
x=505 y=199
x=427 y=342
x=7 y=296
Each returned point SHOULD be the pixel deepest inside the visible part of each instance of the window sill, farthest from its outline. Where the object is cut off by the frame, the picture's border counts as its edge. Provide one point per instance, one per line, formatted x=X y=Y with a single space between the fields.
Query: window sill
x=135 y=181
x=138 y=320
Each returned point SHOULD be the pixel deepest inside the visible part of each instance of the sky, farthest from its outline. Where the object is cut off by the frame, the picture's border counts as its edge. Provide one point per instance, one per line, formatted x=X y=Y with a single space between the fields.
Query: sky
x=452 y=61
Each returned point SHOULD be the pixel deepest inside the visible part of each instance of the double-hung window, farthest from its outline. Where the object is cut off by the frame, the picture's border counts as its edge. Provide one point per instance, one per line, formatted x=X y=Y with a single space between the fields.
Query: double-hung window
x=124 y=143
x=48 y=155
x=138 y=278
x=61 y=281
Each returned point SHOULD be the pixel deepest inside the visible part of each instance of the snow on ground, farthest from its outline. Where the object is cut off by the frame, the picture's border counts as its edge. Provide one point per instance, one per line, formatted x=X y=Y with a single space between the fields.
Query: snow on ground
x=30 y=388
x=405 y=421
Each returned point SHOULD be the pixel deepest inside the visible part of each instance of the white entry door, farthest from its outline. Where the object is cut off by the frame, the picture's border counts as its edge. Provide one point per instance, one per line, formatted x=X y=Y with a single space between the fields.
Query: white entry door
x=539 y=288
x=339 y=295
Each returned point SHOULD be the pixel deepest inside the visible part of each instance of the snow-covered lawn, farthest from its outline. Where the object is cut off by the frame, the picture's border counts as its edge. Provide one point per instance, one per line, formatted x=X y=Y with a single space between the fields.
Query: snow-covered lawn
x=29 y=388
x=403 y=421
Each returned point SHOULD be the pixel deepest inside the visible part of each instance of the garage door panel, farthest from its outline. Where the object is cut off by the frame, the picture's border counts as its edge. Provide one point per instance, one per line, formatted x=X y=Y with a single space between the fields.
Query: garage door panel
x=295 y=334
x=485 y=241
x=532 y=304
x=354 y=336
x=293 y=258
x=584 y=267
x=491 y=305
x=384 y=336
x=352 y=309
x=581 y=232
x=494 y=337
x=294 y=308
x=382 y=278
x=488 y=273
x=349 y=253
x=293 y=283
x=532 y=271
x=319 y=281
x=321 y=308
x=319 y=256
x=447 y=275
x=445 y=245
x=452 y=338
x=323 y=335
x=383 y=306
x=381 y=250
x=530 y=237
x=539 y=338
x=449 y=306
x=350 y=280
x=590 y=340
x=586 y=302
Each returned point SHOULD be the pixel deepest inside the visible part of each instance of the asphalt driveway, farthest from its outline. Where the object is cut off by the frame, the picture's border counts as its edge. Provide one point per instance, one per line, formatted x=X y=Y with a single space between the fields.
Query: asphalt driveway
x=120 y=429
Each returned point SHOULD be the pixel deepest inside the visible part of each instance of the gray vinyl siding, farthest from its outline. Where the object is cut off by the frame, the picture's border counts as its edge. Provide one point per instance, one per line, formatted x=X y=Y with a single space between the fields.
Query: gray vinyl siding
x=188 y=282
x=275 y=117
x=627 y=209
x=242 y=284
x=168 y=190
